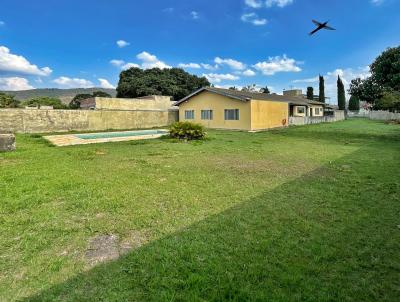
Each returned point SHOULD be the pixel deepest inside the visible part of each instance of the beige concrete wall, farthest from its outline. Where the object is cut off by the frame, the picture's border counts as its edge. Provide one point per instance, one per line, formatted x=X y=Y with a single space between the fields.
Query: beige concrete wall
x=383 y=115
x=35 y=121
x=218 y=103
x=149 y=103
x=268 y=114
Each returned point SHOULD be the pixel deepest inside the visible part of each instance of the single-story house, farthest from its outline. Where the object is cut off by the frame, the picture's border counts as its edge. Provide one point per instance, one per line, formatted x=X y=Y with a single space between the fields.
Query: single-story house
x=231 y=109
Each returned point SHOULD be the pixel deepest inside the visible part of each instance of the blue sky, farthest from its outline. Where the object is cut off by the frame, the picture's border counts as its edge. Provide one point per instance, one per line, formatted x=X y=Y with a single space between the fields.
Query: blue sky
x=86 y=43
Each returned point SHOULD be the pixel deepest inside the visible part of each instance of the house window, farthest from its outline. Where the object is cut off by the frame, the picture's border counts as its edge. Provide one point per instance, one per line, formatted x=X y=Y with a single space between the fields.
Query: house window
x=206 y=114
x=189 y=114
x=301 y=110
x=318 y=111
x=231 y=114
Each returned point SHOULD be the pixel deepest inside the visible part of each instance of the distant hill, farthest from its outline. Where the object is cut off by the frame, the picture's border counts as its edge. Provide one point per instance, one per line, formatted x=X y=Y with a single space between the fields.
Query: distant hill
x=65 y=95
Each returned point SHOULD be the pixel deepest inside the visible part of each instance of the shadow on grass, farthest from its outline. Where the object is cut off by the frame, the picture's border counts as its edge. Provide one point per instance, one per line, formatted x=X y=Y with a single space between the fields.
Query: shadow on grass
x=325 y=236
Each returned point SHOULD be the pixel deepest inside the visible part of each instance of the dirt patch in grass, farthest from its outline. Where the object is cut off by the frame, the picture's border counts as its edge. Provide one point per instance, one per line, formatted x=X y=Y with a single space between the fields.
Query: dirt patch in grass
x=107 y=247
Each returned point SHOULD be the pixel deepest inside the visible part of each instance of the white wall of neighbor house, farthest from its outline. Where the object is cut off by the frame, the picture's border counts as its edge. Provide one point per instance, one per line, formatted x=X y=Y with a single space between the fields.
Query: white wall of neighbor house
x=300 y=111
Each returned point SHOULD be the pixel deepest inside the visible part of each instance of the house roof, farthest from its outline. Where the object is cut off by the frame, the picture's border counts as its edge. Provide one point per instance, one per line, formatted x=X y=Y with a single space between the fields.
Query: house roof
x=247 y=96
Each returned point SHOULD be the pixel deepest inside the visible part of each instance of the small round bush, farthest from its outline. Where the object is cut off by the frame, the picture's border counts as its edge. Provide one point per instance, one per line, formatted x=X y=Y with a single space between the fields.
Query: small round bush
x=187 y=131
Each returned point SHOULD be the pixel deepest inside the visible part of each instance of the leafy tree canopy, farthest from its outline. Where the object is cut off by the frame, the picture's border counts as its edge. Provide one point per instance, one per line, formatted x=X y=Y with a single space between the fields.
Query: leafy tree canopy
x=384 y=81
x=175 y=82
x=389 y=101
x=8 y=101
x=45 y=101
x=101 y=94
x=385 y=69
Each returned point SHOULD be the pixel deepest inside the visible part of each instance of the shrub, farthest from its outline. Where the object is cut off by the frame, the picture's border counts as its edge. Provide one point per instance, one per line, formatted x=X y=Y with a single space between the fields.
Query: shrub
x=187 y=131
x=45 y=101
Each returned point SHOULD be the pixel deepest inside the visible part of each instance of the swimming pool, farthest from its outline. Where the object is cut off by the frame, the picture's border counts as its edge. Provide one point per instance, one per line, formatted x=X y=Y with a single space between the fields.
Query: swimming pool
x=104 y=137
x=120 y=134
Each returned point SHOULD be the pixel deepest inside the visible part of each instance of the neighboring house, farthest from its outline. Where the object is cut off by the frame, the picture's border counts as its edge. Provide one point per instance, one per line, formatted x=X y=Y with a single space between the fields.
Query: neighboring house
x=153 y=102
x=231 y=109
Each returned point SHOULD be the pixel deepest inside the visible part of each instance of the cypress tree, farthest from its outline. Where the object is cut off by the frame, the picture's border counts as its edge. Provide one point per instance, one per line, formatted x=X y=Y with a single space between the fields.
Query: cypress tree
x=310 y=93
x=354 y=103
x=321 y=89
x=341 y=94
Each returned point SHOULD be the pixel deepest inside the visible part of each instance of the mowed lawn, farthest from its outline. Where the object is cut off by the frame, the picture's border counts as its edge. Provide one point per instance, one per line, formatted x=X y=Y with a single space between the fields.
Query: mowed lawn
x=301 y=214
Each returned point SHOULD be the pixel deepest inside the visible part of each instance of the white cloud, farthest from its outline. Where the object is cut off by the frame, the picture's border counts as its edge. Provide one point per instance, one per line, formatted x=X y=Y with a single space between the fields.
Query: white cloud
x=147 y=61
x=279 y=3
x=249 y=73
x=194 y=15
x=106 y=84
x=277 y=64
x=208 y=66
x=14 y=83
x=189 y=65
x=253 y=19
x=218 y=78
x=129 y=65
x=377 y=2
x=309 y=80
x=151 y=61
x=253 y=3
x=18 y=64
x=231 y=63
x=122 y=43
x=117 y=63
x=66 y=82
x=2 y=23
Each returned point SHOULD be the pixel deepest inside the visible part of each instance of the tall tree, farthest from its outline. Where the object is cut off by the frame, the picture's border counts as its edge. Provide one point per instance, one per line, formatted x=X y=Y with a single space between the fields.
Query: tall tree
x=341 y=94
x=321 y=89
x=175 y=82
x=310 y=93
x=265 y=90
x=354 y=103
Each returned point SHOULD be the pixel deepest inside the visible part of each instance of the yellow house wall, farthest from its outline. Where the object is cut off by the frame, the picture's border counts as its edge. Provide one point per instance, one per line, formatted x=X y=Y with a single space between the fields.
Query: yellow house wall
x=268 y=114
x=218 y=103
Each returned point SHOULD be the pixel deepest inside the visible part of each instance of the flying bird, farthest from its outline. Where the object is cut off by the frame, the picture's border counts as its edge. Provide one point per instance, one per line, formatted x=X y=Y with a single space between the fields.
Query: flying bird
x=321 y=26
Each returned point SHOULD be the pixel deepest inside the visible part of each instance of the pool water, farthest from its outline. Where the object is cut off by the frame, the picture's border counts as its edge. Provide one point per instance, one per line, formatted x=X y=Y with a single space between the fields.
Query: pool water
x=120 y=134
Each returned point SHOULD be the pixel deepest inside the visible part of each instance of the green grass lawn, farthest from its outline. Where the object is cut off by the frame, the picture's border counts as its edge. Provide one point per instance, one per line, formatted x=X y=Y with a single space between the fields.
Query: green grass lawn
x=302 y=214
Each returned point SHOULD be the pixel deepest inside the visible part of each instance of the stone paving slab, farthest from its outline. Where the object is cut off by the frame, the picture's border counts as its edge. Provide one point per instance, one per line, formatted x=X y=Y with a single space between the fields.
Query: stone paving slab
x=73 y=139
